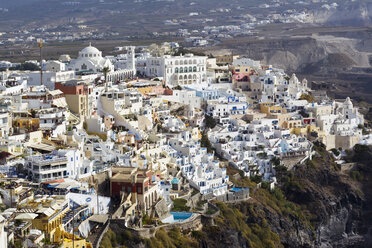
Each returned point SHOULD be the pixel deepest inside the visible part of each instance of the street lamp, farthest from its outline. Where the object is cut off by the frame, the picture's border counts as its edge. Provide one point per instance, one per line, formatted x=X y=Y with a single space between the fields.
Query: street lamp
x=40 y=44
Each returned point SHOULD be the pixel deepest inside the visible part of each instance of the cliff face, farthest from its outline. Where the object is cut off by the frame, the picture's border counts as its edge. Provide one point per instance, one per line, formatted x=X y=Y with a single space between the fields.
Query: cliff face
x=326 y=209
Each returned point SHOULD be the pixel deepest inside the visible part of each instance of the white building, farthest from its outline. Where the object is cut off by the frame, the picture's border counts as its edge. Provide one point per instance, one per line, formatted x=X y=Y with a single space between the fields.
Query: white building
x=49 y=78
x=178 y=70
x=244 y=61
x=90 y=60
x=95 y=124
x=186 y=97
x=59 y=164
x=55 y=66
x=51 y=118
x=198 y=166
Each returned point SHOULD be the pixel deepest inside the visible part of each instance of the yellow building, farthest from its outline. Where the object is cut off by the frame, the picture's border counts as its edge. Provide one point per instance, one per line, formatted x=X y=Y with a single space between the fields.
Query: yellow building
x=270 y=108
x=145 y=90
x=77 y=242
x=241 y=69
x=50 y=213
x=282 y=117
x=226 y=59
x=289 y=124
x=305 y=130
x=26 y=123
x=78 y=104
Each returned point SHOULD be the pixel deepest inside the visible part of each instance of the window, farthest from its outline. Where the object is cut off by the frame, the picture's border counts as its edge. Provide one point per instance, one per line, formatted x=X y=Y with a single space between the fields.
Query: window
x=146 y=189
x=176 y=70
x=139 y=190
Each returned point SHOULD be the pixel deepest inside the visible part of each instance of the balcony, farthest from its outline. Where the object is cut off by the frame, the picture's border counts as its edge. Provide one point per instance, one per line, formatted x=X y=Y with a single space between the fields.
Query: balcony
x=47 y=159
x=51 y=169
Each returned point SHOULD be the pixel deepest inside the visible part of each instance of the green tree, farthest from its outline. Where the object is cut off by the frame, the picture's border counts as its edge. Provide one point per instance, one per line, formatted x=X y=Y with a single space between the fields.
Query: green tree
x=209 y=121
x=27 y=67
x=204 y=142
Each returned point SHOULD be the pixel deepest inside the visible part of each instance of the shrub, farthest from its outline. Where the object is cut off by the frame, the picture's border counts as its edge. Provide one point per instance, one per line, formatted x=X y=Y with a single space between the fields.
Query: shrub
x=356 y=175
x=180 y=205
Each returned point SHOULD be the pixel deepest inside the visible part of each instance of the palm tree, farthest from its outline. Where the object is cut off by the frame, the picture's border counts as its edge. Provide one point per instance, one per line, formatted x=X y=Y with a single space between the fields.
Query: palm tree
x=105 y=71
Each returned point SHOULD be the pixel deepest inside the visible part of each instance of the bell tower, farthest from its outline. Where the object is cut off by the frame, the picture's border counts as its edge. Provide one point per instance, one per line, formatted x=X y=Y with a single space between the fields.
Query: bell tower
x=131 y=65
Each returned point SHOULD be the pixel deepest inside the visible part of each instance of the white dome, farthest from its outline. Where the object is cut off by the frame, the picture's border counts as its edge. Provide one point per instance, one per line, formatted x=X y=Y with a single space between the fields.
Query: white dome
x=348 y=101
x=90 y=49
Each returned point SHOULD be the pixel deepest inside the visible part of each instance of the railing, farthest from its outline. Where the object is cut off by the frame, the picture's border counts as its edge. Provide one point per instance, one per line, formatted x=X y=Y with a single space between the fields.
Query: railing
x=50 y=169
x=48 y=160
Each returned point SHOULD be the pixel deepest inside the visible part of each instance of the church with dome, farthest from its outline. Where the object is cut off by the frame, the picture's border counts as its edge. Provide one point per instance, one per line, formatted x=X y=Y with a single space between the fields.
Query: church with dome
x=90 y=60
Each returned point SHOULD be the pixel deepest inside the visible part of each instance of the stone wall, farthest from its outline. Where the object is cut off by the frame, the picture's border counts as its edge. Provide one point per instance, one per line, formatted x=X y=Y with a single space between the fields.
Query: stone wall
x=161 y=209
x=193 y=223
x=292 y=161
x=100 y=235
x=234 y=196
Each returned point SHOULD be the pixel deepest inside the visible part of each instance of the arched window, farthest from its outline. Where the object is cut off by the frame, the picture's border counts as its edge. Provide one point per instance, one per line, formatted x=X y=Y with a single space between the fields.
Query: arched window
x=185 y=62
x=195 y=62
x=176 y=63
x=181 y=62
x=185 y=77
x=181 y=69
x=194 y=76
x=176 y=70
x=185 y=69
x=190 y=69
x=190 y=76
x=190 y=62
x=194 y=69
x=180 y=78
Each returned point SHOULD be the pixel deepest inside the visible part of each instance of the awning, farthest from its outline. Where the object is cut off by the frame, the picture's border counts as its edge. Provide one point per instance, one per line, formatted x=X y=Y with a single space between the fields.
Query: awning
x=26 y=216
x=54 y=181
x=42 y=147
x=52 y=186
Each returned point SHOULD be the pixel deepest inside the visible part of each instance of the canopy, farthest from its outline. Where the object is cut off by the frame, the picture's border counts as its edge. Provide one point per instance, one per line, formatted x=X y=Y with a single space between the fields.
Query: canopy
x=26 y=216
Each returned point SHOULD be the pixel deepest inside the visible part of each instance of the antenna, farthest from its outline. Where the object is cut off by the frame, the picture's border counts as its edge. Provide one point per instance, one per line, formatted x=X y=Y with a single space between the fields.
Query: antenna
x=41 y=61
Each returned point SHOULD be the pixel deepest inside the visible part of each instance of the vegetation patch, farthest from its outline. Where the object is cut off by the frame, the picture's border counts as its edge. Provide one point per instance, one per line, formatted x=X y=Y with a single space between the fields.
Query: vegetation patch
x=179 y=205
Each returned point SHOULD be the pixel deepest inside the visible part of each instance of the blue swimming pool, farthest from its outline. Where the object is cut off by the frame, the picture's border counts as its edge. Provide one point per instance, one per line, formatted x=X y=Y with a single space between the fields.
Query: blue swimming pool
x=177 y=217
x=237 y=189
